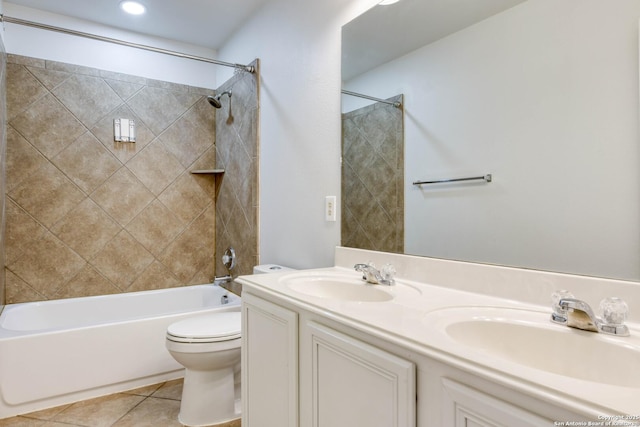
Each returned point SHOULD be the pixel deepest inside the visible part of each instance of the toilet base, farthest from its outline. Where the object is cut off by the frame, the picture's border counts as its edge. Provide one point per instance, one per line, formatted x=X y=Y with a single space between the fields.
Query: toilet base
x=211 y=378
x=209 y=398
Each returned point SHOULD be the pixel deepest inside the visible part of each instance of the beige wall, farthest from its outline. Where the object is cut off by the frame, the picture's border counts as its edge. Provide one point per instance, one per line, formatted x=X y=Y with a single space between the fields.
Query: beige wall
x=88 y=216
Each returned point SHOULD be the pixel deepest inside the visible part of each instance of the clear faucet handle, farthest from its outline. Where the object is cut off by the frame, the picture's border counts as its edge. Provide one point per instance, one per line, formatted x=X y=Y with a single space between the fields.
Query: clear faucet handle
x=388 y=271
x=559 y=313
x=614 y=311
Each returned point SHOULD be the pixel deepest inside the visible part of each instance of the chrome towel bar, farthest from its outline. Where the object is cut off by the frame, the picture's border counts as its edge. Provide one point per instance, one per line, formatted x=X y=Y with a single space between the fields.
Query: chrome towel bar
x=486 y=178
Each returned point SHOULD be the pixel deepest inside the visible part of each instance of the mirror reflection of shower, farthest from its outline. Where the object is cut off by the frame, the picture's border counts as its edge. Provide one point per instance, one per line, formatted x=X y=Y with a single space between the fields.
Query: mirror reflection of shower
x=397 y=104
x=373 y=175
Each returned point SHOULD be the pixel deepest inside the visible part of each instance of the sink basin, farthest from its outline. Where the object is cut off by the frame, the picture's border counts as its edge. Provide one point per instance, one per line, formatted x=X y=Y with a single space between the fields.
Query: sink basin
x=528 y=338
x=343 y=287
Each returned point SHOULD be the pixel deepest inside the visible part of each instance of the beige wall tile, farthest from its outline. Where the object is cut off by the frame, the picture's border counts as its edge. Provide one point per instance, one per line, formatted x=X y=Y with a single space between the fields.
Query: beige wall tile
x=190 y=136
x=185 y=198
x=17 y=290
x=122 y=196
x=87 y=282
x=49 y=78
x=155 y=227
x=88 y=98
x=86 y=162
x=236 y=152
x=48 y=195
x=155 y=276
x=159 y=108
x=22 y=159
x=21 y=230
x=86 y=229
x=122 y=260
x=155 y=167
x=48 y=125
x=122 y=216
x=21 y=95
x=47 y=264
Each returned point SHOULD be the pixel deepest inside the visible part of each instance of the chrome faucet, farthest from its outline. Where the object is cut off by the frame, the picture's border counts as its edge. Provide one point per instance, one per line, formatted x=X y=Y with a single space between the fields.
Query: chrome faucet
x=372 y=275
x=578 y=314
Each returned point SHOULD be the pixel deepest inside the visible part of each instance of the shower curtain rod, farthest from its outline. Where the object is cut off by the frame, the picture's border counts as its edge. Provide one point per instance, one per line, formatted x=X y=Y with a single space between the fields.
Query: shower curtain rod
x=359 y=95
x=18 y=21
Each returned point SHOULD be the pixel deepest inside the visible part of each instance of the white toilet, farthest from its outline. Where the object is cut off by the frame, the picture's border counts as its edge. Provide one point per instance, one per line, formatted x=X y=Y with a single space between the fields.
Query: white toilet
x=208 y=346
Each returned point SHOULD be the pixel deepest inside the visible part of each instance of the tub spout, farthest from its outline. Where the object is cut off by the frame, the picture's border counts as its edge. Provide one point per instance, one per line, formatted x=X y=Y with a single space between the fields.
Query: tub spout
x=221 y=280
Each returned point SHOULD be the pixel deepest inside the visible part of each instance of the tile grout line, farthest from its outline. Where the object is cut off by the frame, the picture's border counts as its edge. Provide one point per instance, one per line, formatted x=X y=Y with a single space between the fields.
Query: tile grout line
x=129 y=411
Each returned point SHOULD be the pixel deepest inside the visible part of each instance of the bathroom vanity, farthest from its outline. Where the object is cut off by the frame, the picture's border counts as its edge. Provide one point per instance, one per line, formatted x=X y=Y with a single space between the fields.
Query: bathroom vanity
x=450 y=344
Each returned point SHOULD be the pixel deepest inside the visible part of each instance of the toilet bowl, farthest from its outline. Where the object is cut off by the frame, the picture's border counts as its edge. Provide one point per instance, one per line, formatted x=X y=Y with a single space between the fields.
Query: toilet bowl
x=208 y=347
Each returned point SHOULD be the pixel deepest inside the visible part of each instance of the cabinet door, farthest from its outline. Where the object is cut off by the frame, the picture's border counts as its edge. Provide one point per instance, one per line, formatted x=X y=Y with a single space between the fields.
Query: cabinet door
x=269 y=364
x=467 y=407
x=357 y=384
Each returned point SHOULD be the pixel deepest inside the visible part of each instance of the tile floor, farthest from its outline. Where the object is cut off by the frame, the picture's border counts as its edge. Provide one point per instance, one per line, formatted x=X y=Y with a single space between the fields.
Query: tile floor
x=153 y=406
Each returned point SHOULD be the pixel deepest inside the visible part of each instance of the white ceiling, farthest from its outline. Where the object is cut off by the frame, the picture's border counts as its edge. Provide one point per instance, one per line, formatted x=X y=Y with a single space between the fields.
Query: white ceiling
x=207 y=23
x=384 y=33
x=381 y=34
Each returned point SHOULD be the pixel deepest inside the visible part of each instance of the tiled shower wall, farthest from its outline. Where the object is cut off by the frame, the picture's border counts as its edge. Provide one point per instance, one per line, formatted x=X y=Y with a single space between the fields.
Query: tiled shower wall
x=373 y=178
x=237 y=152
x=86 y=215
x=3 y=162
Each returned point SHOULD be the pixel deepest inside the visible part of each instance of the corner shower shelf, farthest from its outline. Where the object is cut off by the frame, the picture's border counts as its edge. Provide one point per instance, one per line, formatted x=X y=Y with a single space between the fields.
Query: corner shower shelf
x=208 y=171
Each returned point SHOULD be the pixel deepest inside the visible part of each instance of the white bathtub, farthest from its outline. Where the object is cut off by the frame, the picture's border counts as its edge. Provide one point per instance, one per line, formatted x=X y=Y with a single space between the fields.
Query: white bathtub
x=62 y=351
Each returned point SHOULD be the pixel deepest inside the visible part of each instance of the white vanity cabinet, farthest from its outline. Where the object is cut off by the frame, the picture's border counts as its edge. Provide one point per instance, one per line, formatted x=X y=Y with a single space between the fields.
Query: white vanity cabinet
x=465 y=406
x=306 y=367
x=269 y=364
x=353 y=383
x=342 y=380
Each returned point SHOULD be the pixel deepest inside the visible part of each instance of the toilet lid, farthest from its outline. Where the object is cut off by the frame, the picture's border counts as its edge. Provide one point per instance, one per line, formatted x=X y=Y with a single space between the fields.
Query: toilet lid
x=207 y=328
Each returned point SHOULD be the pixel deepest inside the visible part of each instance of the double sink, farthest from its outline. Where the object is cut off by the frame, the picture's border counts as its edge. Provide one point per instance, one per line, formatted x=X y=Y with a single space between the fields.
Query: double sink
x=519 y=336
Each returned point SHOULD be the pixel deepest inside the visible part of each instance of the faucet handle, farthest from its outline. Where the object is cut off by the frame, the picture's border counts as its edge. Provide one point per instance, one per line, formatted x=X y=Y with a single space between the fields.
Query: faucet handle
x=614 y=311
x=387 y=272
x=559 y=314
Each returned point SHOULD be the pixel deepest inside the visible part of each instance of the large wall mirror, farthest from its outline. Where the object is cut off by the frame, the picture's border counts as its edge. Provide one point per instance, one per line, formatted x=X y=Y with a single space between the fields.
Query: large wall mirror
x=542 y=95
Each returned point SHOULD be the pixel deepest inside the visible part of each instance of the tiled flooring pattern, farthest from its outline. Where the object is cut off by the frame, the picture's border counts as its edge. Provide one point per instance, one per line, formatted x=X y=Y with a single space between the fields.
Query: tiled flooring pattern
x=153 y=406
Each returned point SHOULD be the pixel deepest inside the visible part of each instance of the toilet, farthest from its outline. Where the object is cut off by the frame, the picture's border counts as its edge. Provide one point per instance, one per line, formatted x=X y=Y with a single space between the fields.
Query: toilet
x=208 y=346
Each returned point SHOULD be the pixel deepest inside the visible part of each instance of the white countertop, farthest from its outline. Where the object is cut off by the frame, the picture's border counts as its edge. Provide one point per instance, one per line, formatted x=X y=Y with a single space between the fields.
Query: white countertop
x=414 y=319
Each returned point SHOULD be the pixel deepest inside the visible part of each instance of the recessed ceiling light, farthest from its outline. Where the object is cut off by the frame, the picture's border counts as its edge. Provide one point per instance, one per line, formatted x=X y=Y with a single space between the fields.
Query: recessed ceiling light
x=388 y=2
x=132 y=7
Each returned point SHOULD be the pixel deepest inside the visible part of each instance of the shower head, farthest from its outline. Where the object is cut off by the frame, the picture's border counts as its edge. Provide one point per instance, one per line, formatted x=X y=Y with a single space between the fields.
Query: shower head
x=215 y=100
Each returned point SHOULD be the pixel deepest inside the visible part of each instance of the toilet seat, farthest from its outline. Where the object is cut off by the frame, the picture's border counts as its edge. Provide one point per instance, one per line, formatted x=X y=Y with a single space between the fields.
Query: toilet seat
x=207 y=328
